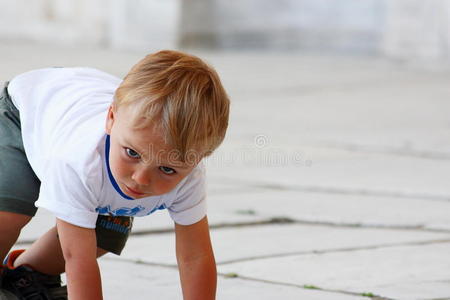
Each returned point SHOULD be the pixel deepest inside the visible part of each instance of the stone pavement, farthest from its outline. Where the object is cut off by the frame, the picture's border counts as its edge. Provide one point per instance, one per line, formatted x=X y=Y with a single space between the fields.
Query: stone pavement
x=332 y=182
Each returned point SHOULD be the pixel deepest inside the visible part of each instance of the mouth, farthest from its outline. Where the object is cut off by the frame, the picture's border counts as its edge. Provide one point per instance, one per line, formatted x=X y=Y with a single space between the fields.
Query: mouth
x=133 y=192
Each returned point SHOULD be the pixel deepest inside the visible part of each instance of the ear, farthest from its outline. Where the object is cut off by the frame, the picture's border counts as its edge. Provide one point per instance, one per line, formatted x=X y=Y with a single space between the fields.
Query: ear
x=109 y=119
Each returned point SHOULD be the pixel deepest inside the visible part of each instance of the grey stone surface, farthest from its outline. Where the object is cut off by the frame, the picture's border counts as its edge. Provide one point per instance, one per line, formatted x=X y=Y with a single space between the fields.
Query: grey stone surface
x=266 y=241
x=353 y=151
x=420 y=272
x=41 y=223
x=330 y=169
x=331 y=206
x=144 y=281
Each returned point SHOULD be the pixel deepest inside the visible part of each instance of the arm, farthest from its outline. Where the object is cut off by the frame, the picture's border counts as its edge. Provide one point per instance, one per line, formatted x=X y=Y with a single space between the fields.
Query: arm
x=196 y=261
x=79 y=246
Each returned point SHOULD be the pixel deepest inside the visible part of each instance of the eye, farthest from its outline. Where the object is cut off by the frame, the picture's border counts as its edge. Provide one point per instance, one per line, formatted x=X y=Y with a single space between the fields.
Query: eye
x=167 y=170
x=131 y=153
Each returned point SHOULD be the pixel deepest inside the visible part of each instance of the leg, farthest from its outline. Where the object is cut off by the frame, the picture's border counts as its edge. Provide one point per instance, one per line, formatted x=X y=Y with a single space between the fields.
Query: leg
x=12 y=224
x=19 y=186
x=45 y=255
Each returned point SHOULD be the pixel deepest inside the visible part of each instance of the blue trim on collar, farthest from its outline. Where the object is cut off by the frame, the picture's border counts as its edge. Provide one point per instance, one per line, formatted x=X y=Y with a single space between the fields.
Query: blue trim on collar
x=111 y=177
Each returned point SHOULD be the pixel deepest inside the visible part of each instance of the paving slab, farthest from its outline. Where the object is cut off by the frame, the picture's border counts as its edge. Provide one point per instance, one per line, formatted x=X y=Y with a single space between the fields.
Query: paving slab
x=338 y=101
x=335 y=208
x=404 y=272
x=331 y=169
x=123 y=280
x=408 y=117
x=262 y=242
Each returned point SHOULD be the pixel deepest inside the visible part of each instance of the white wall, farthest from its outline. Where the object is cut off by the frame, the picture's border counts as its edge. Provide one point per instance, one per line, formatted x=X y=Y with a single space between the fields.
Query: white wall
x=417 y=30
x=401 y=29
x=144 y=24
x=129 y=24
x=59 y=21
x=329 y=25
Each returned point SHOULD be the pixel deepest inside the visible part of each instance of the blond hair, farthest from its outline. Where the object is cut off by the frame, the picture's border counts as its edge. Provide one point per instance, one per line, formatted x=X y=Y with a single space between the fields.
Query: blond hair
x=181 y=93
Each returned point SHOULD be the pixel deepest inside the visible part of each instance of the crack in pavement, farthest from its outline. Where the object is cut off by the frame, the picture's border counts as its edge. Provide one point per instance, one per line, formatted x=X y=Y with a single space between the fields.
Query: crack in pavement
x=335 y=250
x=289 y=221
x=307 y=287
x=279 y=221
x=421 y=228
x=335 y=190
x=234 y=275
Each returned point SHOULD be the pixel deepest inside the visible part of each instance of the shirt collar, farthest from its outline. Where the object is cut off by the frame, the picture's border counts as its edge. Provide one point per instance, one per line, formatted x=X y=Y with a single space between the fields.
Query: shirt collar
x=110 y=175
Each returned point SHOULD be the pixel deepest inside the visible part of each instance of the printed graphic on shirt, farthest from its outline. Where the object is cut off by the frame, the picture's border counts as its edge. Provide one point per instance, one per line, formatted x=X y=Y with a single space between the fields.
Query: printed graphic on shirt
x=125 y=211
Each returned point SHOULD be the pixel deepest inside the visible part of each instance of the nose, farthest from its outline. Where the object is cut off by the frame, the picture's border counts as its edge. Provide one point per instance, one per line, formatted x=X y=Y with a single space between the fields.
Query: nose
x=141 y=176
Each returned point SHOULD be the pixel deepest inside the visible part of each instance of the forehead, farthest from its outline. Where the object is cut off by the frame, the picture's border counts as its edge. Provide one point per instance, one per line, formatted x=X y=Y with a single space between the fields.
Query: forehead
x=151 y=140
x=146 y=141
x=143 y=137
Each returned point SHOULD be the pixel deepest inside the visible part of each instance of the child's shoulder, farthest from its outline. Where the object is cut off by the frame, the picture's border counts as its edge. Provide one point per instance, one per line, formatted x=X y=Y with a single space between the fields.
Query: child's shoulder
x=195 y=180
x=62 y=73
x=48 y=81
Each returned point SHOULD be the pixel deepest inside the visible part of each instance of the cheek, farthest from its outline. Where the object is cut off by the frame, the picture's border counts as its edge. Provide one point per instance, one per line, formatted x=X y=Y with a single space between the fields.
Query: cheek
x=118 y=167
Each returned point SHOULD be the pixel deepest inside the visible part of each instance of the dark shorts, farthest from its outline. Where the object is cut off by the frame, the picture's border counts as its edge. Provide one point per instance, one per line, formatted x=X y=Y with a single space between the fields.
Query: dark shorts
x=19 y=185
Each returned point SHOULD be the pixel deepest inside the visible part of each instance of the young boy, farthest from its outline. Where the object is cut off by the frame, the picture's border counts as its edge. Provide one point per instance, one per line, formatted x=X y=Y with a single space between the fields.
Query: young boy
x=168 y=113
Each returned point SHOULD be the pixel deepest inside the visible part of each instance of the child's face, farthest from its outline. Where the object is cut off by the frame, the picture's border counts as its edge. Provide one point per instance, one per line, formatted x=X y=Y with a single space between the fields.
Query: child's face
x=141 y=162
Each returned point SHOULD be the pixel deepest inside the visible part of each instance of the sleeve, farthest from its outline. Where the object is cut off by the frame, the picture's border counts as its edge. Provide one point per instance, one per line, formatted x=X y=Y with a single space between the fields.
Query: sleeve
x=65 y=192
x=189 y=205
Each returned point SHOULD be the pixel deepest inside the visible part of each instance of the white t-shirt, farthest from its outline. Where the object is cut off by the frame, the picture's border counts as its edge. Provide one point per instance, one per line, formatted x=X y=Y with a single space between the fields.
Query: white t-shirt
x=63 y=113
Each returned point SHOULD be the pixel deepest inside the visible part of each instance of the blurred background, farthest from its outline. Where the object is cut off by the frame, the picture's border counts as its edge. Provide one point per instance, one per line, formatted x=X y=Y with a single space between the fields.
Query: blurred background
x=332 y=182
x=399 y=29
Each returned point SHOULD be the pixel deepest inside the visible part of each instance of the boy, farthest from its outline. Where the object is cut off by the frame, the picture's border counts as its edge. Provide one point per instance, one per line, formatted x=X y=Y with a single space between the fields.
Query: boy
x=168 y=113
